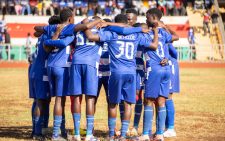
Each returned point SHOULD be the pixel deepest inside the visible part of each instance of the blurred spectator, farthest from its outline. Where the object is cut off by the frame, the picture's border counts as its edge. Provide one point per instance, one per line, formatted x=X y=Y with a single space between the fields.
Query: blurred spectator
x=77 y=7
x=152 y=4
x=1 y=45
x=90 y=10
x=191 y=36
x=55 y=6
x=206 y=20
x=108 y=10
x=33 y=7
x=191 y=40
x=170 y=7
x=101 y=8
x=47 y=7
x=199 y=4
x=2 y=24
x=208 y=4
x=214 y=17
x=18 y=7
x=11 y=7
x=25 y=7
x=4 y=8
x=28 y=45
x=162 y=6
x=62 y=4
x=7 y=42
x=179 y=8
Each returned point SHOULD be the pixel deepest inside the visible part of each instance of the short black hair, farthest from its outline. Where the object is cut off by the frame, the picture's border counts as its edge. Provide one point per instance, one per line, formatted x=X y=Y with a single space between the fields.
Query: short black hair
x=131 y=10
x=137 y=25
x=65 y=14
x=54 y=20
x=96 y=17
x=156 y=12
x=107 y=20
x=121 y=18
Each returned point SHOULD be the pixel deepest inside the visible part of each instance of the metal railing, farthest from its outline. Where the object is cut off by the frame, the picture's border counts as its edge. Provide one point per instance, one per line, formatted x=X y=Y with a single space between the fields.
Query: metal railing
x=10 y=52
x=186 y=52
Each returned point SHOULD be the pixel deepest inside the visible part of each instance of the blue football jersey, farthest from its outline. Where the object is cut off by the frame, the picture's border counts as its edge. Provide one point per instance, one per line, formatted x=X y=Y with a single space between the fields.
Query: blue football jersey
x=154 y=57
x=104 y=62
x=39 y=69
x=172 y=51
x=122 y=50
x=87 y=52
x=59 y=57
x=140 y=59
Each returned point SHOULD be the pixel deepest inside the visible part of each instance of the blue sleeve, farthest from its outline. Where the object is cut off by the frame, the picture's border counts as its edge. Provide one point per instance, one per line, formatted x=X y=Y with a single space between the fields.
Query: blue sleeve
x=145 y=40
x=105 y=36
x=49 y=29
x=61 y=43
x=172 y=51
x=168 y=37
x=124 y=30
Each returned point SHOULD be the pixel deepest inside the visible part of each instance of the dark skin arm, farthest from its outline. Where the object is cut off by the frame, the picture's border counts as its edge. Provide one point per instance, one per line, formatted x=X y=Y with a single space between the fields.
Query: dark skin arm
x=54 y=37
x=87 y=25
x=175 y=37
x=154 y=44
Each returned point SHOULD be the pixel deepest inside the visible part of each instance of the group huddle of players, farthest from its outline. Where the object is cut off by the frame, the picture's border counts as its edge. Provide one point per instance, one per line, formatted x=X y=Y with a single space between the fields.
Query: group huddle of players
x=129 y=59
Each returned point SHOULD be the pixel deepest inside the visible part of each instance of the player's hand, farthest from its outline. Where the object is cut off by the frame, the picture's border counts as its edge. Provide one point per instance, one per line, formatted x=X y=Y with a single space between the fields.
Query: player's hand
x=48 y=49
x=101 y=25
x=60 y=27
x=85 y=21
x=164 y=62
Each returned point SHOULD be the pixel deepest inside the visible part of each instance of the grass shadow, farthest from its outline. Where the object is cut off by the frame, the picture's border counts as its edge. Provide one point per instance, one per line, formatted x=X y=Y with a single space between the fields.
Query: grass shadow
x=17 y=132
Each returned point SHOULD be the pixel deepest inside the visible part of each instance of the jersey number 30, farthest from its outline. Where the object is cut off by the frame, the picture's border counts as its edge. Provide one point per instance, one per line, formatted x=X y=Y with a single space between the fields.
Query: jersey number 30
x=126 y=49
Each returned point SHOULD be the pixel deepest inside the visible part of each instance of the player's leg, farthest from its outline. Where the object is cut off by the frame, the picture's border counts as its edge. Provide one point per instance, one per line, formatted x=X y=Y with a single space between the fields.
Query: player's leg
x=105 y=83
x=129 y=94
x=170 y=115
x=90 y=88
x=175 y=83
x=100 y=83
x=152 y=88
x=75 y=90
x=42 y=94
x=46 y=113
x=114 y=96
x=60 y=83
x=161 y=100
x=138 y=105
x=33 y=117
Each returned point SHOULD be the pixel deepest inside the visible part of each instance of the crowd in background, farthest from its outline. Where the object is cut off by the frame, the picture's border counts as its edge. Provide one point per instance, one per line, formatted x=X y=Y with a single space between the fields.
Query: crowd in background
x=5 y=39
x=97 y=7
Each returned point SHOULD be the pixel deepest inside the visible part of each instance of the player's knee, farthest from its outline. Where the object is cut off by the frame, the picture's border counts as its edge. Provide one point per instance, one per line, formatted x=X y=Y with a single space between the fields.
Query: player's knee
x=148 y=102
x=161 y=101
x=170 y=96
x=112 y=105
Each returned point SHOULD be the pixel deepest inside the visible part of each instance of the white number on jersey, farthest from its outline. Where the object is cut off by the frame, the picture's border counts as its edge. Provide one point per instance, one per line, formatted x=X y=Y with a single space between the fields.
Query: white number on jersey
x=126 y=48
x=80 y=40
x=160 y=50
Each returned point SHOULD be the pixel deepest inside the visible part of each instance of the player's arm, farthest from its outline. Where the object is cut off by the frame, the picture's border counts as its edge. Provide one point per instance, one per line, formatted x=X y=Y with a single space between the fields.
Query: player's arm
x=175 y=37
x=60 y=43
x=155 y=42
x=147 y=42
x=173 y=51
x=86 y=25
x=91 y=36
x=126 y=30
x=39 y=29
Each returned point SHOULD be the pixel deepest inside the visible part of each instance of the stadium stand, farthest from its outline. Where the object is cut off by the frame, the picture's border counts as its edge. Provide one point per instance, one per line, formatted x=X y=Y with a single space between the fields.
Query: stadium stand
x=207 y=47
